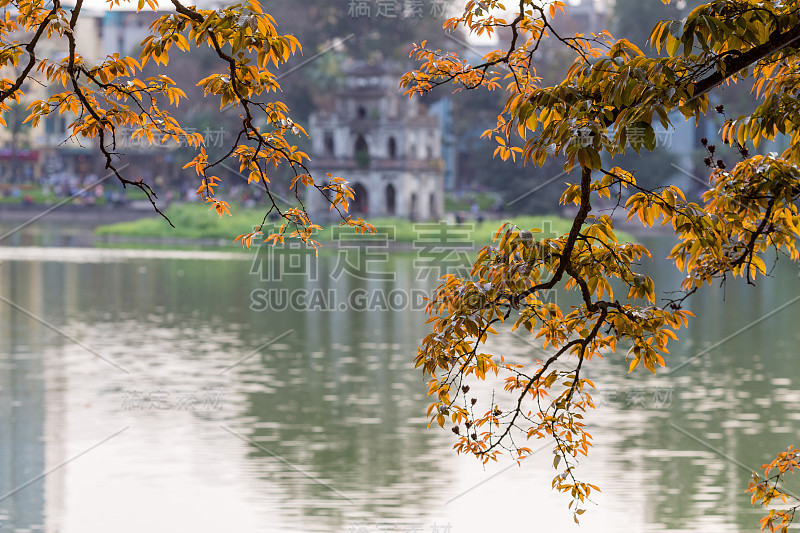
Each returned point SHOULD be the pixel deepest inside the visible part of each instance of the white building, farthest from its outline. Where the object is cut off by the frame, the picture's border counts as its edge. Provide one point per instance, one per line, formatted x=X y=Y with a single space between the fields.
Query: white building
x=387 y=146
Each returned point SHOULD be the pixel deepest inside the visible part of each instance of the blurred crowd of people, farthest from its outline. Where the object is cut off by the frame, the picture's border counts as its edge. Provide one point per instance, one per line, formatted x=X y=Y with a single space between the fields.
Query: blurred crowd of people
x=86 y=190
x=93 y=190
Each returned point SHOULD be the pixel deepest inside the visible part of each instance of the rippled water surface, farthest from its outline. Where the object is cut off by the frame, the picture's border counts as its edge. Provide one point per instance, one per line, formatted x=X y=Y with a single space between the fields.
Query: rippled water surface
x=140 y=392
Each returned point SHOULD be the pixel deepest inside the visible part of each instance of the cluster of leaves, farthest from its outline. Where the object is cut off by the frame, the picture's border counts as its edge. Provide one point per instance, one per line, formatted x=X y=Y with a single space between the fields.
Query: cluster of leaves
x=766 y=489
x=113 y=95
x=611 y=91
x=513 y=277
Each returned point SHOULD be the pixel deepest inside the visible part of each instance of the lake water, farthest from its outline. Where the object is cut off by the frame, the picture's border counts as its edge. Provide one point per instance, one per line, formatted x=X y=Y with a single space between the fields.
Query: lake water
x=189 y=391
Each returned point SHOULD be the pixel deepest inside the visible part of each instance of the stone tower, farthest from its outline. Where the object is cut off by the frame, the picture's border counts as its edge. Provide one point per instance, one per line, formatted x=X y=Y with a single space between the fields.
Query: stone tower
x=387 y=146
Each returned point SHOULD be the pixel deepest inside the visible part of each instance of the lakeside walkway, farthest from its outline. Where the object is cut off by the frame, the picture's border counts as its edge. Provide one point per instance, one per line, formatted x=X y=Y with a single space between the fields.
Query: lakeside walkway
x=90 y=215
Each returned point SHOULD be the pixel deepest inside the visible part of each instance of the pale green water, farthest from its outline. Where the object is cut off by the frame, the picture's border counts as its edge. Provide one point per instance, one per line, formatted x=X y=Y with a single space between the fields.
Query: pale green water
x=325 y=429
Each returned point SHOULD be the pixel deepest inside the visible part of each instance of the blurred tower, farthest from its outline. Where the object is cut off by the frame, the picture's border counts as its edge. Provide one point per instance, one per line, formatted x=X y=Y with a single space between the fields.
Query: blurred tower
x=387 y=146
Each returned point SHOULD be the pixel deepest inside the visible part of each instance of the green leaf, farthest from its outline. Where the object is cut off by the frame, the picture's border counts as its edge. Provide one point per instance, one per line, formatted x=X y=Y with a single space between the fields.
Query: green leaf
x=672 y=45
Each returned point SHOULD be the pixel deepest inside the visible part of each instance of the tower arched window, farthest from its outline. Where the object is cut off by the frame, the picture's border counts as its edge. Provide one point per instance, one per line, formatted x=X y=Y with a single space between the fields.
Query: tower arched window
x=359 y=204
x=361 y=152
x=390 y=199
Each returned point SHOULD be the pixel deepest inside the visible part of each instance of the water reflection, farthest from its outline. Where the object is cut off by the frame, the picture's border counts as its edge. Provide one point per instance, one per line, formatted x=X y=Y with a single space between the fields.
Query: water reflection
x=336 y=400
x=206 y=424
x=23 y=414
x=734 y=384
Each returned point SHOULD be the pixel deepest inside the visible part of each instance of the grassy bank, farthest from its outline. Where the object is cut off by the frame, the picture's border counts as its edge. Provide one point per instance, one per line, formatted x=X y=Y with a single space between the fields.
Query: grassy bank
x=194 y=221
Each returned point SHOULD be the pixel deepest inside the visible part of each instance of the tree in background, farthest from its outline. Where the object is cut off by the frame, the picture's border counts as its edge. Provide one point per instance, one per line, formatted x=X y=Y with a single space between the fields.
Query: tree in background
x=473 y=112
x=366 y=30
x=607 y=104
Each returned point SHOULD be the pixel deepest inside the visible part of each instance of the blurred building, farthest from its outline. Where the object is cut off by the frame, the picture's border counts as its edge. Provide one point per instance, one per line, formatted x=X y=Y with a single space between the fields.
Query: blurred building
x=387 y=146
x=443 y=108
x=31 y=152
x=24 y=150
